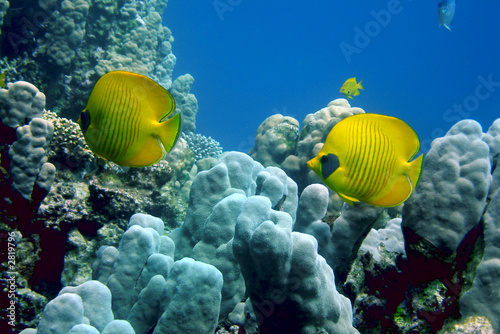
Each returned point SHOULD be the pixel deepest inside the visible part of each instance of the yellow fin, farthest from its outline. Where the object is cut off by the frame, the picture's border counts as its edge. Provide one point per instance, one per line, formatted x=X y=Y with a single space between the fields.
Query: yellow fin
x=154 y=99
x=356 y=93
x=400 y=191
x=415 y=170
x=401 y=134
x=360 y=86
x=169 y=131
x=349 y=200
x=150 y=153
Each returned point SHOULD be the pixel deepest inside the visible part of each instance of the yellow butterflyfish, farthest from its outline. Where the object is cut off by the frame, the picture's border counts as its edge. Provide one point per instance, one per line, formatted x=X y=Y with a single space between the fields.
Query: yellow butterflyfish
x=351 y=88
x=126 y=120
x=367 y=158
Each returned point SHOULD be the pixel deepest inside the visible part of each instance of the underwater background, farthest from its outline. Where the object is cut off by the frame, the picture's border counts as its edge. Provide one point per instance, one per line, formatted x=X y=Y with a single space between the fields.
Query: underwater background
x=238 y=229
x=286 y=57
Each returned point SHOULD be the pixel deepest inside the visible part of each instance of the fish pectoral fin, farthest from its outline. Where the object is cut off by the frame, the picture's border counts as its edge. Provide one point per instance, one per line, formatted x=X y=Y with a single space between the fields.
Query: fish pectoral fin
x=348 y=199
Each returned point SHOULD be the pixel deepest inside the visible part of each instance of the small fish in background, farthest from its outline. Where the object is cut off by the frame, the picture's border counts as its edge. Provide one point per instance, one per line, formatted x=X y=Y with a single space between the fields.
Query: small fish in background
x=446 y=11
x=350 y=88
x=125 y=120
x=366 y=158
x=2 y=80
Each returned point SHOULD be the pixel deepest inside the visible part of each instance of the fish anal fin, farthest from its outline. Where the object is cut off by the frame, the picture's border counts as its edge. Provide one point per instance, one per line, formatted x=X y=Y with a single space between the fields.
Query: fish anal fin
x=149 y=154
x=397 y=194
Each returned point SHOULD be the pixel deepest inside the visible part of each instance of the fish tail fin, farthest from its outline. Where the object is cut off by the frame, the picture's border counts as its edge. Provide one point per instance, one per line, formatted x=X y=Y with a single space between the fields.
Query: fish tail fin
x=415 y=170
x=169 y=131
x=360 y=86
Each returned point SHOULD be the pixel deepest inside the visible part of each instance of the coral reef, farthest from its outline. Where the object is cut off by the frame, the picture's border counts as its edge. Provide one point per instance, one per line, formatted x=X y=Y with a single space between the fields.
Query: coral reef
x=482 y=298
x=138 y=287
x=27 y=176
x=476 y=325
x=68 y=149
x=28 y=158
x=21 y=102
x=276 y=139
x=216 y=198
x=202 y=147
x=185 y=103
x=291 y=287
x=454 y=182
x=66 y=33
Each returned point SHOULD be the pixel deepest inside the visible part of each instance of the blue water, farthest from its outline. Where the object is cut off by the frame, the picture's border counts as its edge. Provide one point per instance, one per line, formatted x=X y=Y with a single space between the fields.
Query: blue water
x=253 y=59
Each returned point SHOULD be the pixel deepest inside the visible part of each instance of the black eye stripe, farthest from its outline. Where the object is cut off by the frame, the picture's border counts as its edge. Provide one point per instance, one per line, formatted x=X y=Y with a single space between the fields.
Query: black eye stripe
x=85 y=120
x=329 y=164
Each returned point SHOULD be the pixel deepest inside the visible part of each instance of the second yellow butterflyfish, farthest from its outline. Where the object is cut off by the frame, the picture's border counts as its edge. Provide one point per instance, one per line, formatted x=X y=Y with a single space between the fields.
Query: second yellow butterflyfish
x=126 y=120
x=368 y=158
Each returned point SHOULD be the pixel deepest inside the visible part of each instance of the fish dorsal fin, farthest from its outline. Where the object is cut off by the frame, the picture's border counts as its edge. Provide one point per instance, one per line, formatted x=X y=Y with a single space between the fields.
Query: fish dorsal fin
x=155 y=100
x=403 y=137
